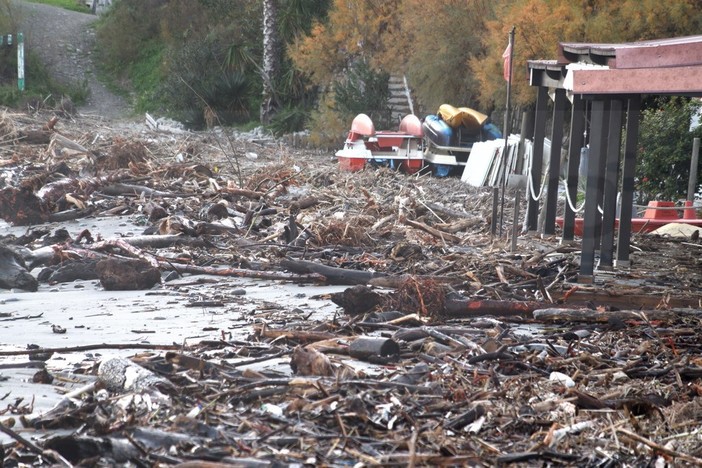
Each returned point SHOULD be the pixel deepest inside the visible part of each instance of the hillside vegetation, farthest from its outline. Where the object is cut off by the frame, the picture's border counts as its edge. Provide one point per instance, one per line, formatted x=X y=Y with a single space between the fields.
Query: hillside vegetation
x=208 y=62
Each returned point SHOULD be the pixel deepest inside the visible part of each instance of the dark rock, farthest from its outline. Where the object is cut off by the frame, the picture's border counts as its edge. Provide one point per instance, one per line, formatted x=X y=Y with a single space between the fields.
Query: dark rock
x=13 y=271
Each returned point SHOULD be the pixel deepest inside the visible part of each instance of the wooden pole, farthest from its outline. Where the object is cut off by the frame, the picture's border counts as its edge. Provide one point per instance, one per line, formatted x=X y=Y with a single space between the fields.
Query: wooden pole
x=507 y=125
x=515 y=220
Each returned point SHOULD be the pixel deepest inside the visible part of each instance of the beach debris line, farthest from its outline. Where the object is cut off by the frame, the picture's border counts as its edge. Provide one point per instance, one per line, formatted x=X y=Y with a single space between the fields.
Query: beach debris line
x=445 y=348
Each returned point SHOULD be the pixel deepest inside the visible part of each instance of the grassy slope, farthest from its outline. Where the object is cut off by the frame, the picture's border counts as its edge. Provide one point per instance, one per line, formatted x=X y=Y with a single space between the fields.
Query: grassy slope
x=74 y=5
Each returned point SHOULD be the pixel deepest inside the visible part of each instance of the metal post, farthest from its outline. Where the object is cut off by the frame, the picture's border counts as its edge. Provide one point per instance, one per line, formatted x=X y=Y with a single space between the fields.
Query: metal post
x=692 y=183
x=577 y=141
x=628 y=171
x=600 y=179
x=537 y=159
x=592 y=215
x=554 y=163
x=20 y=61
x=611 y=173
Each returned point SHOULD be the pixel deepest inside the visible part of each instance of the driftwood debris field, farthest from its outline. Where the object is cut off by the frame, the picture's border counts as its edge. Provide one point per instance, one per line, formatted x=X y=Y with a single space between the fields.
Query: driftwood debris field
x=171 y=298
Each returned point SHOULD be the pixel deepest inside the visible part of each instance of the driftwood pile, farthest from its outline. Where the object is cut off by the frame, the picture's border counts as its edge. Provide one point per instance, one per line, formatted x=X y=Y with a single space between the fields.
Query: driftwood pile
x=447 y=349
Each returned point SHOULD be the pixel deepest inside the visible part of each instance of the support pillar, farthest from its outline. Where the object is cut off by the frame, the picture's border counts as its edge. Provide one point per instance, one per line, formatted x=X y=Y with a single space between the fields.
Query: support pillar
x=611 y=178
x=600 y=178
x=577 y=141
x=592 y=219
x=537 y=159
x=554 y=165
x=628 y=171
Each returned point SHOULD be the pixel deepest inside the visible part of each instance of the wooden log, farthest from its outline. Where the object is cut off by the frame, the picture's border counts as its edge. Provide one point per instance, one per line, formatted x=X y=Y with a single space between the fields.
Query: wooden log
x=357 y=300
x=306 y=202
x=120 y=189
x=58 y=139
x=131 y=249
x=395 y=282
x=382 y=221
x=309 y=361
x=625 y=298
x=126 y=274
x=91 y=347
x=70 y=270
x=464 y=307
x=21 y=207
x=243 y=192
x=160 y=242
x=69 y=215
x=333 y=275
x=557 y=314
x=295 y=335
x=35 y=137
x=444 y=236
x=243 y=273
x=460 y=225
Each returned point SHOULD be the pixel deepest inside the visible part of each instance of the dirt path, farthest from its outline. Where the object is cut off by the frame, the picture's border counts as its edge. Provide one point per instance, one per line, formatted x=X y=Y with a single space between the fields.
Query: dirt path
x=64 y=41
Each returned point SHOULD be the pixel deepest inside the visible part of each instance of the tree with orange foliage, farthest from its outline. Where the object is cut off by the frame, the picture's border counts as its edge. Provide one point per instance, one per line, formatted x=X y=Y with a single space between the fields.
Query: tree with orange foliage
x=336 y=54
x=451 y=50
x=433 y=45
x=542 y=24
x=352 y=31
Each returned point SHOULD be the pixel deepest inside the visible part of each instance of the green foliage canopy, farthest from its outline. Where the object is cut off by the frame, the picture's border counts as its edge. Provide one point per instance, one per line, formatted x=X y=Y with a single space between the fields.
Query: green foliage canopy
x=202 y=57
x=665 y=146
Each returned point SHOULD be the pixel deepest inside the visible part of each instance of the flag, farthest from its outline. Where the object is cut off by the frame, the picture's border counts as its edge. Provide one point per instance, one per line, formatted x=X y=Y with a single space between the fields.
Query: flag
x=506 y=68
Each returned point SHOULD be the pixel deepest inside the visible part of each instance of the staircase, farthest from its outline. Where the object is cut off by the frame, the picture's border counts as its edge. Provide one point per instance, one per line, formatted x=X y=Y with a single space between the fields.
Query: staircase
x=400 y=101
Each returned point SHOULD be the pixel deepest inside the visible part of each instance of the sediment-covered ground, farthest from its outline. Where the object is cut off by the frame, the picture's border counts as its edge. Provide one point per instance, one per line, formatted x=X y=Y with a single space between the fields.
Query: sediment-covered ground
x=212 y=299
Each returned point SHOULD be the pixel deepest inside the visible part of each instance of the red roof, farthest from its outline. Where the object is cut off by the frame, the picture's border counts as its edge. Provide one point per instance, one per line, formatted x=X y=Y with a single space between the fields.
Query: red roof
x=662 y=66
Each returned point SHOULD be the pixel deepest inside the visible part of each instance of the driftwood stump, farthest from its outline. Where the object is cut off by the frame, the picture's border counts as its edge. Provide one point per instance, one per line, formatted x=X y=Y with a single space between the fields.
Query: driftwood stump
x=126 y=274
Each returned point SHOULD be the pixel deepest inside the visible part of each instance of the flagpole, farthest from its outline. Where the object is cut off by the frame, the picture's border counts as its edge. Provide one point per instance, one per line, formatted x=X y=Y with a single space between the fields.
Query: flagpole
x=507 y=125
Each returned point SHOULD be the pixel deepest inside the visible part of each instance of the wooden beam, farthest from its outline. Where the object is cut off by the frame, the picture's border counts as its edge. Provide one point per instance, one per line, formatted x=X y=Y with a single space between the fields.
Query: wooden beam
x=678 y=80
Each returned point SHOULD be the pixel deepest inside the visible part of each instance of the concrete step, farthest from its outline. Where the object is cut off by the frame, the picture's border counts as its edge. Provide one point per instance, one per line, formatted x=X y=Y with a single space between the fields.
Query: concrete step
x=398 y=100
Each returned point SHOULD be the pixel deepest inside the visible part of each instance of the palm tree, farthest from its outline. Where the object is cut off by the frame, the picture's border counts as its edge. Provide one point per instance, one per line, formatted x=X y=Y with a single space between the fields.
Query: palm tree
x=271 y=60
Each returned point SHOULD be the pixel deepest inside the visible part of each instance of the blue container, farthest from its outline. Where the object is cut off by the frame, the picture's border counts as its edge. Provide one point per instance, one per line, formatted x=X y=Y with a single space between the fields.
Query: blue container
x=491 y=132
x=437 y=130
x=441 y=170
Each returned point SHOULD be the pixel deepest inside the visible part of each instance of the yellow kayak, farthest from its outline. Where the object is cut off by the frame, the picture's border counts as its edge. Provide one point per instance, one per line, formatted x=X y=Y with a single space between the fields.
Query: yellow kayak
x=462 y=116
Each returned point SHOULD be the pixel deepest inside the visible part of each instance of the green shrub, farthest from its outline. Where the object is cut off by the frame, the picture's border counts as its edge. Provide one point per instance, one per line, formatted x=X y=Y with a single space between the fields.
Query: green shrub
x=198 y=80
x=665 y=146
x=289 y=119
x=41 y=91
x=146 y=75
x=363 y=90
x=124 y=30
x=327 y=125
